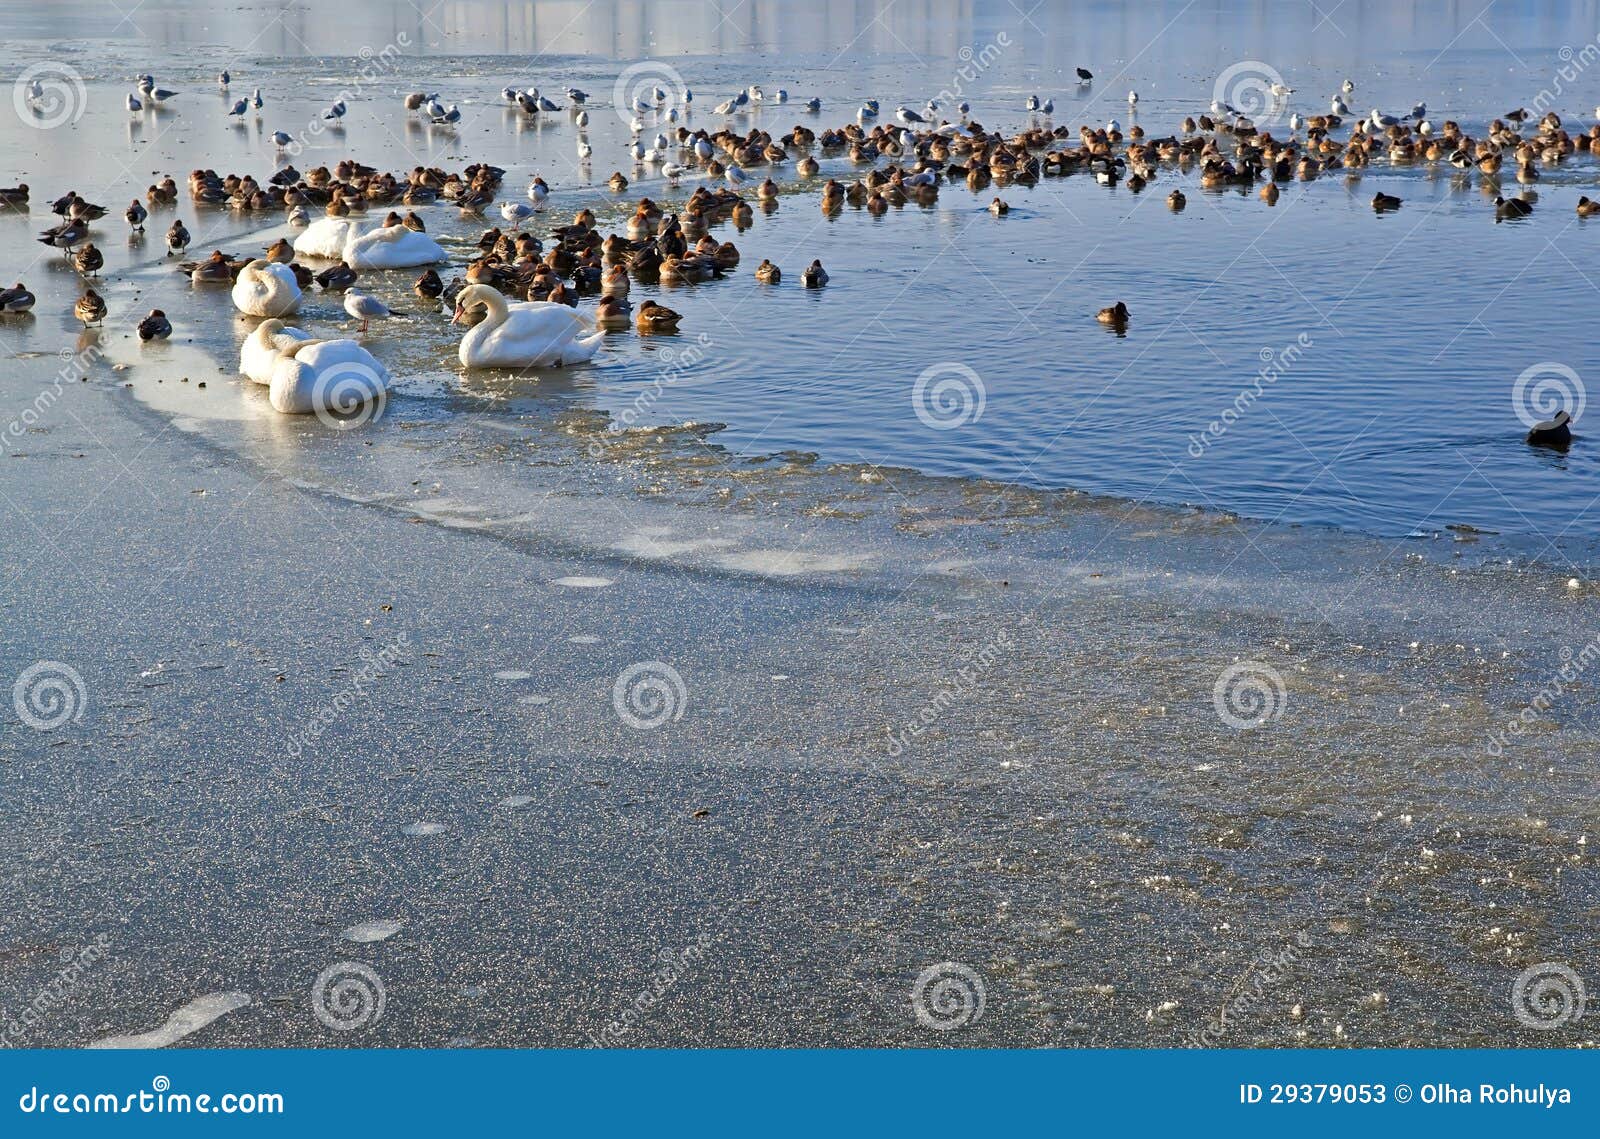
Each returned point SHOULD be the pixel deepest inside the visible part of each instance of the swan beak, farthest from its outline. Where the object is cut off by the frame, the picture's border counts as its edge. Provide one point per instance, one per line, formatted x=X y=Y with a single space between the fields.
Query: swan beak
x=456 y=318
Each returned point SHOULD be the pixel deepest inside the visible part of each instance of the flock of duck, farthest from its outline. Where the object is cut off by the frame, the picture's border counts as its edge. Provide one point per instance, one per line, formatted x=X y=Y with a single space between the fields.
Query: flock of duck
x=519 y=295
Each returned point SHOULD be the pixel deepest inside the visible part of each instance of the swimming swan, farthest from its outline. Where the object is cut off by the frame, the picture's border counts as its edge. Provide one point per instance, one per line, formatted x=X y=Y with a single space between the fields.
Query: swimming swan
x=325 y=375
x=263 y=346
x=265 y=288
x=530 y=334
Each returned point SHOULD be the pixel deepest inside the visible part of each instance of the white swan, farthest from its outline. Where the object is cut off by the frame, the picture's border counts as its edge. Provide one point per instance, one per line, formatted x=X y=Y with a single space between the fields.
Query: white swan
x=326 y=376
x=326 y=238
x=530 y=334
x=265 y=288
x=392 y=247
x=261 y=349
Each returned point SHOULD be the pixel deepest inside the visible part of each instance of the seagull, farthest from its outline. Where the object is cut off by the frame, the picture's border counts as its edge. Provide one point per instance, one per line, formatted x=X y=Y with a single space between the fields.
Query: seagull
x=782 y=96
x=672 y=114
x=1279 y=91
x=1112 y=126
x=450 y=118
x=1033 y=102
x=659 y=95
x=545 y=104
x=754 y=93
x=509 y=94
x=133 y=103
x=1420 y=111
x=688 y=95
x=223 y=79
x=1296 y=122
x=1347 y=86
x=703 y=149
x=516 y=212
x=538 y=190
x=577 y=96
x=724 y=108
x=256 y=100
x=636 y=125
x=364 y=307
x=672 y=171
x=1339 y=106
x=582 y=119
x=736 y=175
x=436 y=109
x=637 y=150
x=336 y=111
x=815 y=105
x=640 y=106
x=239 y=108
x=1133 y=98
x=867 y=111
x=1381 y=120
x=281 y=140
x=963 y=108
x=585 y=151
x=1048 y=106
x=908 y=116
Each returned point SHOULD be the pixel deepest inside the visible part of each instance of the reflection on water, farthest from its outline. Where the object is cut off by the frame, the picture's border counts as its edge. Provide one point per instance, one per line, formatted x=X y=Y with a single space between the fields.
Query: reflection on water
x=1394 y=414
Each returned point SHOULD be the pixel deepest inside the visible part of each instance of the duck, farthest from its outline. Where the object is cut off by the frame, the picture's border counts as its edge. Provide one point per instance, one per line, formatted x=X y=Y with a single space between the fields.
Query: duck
x=322 y=376
x=530 y=334
x=1556 y=432
x=156 y=326
x=428 y=286
x=1176 y=201
x=16 y=299
x=657 y=318
x=615 y=283
x=338 y=277
x=612 y=312
x=14 y=195
x=91 y=308
x=814 y=276
x=177 y=238
x=265 y=288
x=214 y=269
x=1508 y=208
x=66 y=235
x=365 y=307
x=1115 y=314
x=280 y=251
x=768 y=273
x=136 y=215
x=88 y=260
x=1382 y=202
x=999 y=208
x=1587 y=207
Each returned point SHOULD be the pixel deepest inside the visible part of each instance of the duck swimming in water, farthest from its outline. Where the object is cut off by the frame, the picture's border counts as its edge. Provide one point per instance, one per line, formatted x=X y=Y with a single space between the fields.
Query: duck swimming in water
x=1588 y=207
x=657 y=318
x=1382 y=202
x=768 y=273
x=611 y=313
x=1506 y=209
x=1115 y=314
x=814 y=276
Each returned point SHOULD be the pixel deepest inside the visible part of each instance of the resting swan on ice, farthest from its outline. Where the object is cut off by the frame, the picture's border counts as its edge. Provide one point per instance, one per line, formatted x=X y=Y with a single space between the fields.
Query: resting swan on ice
x=307 y=375
x=529 y=334
x=383 y=247
x=265 y=288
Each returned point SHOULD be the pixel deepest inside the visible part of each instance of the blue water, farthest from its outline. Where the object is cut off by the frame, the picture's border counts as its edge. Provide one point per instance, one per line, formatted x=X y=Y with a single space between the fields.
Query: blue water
x=1393 y=413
